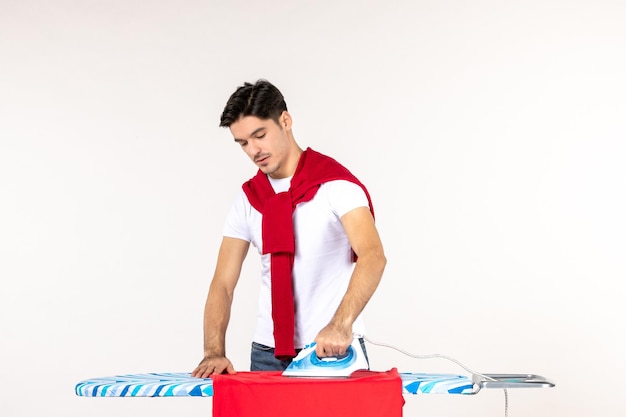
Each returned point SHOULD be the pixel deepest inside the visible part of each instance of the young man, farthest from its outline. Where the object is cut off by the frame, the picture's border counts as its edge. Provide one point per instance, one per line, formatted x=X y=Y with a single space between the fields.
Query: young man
x=312 y=222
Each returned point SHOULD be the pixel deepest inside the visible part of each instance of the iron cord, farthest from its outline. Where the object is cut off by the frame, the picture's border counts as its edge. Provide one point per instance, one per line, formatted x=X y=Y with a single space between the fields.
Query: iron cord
x=438 y=355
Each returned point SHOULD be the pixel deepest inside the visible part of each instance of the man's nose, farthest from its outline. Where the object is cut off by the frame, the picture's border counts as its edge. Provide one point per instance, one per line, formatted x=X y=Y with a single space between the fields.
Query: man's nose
x=253 y=149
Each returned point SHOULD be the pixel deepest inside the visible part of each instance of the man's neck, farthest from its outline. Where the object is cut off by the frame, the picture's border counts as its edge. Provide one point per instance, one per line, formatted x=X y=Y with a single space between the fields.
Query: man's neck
x=291 y=164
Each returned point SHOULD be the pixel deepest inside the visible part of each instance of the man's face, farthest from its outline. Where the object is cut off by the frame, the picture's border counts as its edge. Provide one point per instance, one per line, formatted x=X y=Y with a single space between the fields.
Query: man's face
x=265 y=142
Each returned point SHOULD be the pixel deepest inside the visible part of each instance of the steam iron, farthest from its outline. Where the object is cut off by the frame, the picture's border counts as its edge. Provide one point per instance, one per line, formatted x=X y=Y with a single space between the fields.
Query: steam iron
x=308 y=364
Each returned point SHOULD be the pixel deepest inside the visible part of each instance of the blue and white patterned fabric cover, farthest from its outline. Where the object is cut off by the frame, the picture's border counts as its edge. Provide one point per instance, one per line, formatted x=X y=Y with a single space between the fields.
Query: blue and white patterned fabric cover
x=416 y=383
x=184 y=385
x=146 y=385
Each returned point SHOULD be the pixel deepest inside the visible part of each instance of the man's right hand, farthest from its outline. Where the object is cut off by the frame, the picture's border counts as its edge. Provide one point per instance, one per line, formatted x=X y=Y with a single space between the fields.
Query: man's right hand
x=213 y=365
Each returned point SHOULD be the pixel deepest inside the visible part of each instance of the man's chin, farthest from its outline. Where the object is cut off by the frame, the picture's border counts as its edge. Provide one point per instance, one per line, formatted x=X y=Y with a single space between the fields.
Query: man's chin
x=267 y=170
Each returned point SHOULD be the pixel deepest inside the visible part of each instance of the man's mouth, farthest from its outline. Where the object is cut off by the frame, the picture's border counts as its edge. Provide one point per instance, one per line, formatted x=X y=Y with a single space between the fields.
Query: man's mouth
x=261 y=159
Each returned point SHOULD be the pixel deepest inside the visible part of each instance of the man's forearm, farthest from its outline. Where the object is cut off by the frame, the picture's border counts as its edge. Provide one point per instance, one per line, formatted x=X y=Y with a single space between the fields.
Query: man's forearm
x=216 y=318
x=365 y=278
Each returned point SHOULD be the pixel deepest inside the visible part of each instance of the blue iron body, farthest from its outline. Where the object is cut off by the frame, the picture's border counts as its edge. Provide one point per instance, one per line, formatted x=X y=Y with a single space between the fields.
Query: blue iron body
x=308 y=364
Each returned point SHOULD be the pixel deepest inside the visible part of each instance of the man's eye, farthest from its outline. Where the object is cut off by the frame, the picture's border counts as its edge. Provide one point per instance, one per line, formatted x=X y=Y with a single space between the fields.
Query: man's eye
x=261 y=136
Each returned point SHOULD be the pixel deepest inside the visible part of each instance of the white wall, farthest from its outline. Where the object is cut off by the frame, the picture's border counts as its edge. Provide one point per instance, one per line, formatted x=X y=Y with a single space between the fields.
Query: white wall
x=491 y=135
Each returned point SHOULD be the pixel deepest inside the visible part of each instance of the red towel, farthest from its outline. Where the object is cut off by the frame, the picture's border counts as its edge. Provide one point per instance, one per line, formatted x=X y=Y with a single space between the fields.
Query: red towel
x=269 y=394
x=313 y=170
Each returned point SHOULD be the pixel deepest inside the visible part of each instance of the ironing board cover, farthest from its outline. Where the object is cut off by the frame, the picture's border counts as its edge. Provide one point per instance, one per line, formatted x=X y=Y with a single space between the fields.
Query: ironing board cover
x=146 y=385
x=184 y=385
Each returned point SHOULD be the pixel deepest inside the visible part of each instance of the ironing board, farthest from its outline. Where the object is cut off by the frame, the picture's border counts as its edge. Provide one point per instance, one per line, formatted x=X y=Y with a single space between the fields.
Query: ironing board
x=184 y=385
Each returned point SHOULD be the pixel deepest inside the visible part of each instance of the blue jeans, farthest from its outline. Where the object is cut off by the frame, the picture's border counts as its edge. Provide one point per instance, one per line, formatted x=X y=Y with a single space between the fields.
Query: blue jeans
x=262 y=358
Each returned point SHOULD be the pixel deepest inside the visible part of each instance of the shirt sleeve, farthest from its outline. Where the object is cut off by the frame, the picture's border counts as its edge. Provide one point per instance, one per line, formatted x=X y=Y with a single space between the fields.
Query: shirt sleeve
x=236 y=224
x=344 y=196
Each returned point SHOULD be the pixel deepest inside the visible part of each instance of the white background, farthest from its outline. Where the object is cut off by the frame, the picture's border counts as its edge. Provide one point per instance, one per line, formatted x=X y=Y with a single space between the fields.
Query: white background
x=491 y=135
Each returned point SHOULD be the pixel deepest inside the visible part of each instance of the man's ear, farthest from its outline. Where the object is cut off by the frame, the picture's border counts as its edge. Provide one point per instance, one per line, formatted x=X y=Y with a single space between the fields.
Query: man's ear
x=285 y=120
